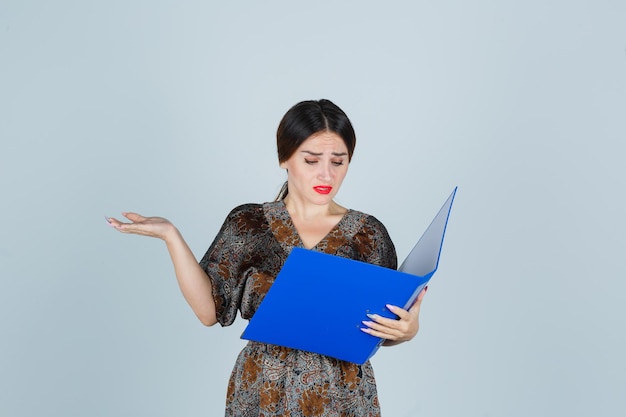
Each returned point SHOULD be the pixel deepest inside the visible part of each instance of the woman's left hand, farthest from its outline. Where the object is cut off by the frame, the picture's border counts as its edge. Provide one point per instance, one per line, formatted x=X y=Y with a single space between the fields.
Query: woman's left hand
x=396 y=331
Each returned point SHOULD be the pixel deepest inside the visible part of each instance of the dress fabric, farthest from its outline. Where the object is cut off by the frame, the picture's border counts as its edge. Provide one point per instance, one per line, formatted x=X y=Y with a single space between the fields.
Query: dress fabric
x=268 y=380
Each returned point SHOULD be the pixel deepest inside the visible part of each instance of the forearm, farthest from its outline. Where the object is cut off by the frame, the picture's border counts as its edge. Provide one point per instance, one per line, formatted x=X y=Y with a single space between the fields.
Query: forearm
x=192 y=280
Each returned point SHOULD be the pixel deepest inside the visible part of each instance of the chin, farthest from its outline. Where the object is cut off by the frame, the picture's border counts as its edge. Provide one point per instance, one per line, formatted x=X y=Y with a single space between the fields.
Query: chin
x=321 y=200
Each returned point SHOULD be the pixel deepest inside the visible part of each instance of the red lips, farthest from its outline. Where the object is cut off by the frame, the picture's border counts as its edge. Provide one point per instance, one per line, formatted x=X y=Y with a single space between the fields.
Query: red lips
x=323 y=189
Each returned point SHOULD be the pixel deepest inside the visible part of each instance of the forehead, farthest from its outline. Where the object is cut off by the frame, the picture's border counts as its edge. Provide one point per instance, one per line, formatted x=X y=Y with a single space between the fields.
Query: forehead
x=324 y=141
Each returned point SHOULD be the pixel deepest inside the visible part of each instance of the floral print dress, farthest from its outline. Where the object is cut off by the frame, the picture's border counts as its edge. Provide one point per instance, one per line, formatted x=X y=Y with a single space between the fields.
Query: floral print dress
x=269 y=380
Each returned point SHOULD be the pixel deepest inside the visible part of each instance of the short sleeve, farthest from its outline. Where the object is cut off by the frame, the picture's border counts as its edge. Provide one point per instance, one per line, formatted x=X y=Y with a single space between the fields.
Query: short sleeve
x=225 y=262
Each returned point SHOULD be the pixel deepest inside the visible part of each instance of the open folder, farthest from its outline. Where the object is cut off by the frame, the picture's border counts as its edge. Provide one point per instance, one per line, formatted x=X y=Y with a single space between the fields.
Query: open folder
x=318 y=301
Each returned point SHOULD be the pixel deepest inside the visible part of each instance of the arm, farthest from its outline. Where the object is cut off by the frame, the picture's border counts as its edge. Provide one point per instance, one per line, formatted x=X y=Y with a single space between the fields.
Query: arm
x=192 y=280
x=406 y=326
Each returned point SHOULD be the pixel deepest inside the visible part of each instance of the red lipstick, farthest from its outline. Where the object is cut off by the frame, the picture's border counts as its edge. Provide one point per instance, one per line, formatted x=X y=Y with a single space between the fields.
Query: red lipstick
x=323 y=189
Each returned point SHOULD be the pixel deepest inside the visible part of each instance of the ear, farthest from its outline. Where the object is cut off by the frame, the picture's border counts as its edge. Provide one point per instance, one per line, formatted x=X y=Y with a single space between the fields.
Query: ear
x=283 y=165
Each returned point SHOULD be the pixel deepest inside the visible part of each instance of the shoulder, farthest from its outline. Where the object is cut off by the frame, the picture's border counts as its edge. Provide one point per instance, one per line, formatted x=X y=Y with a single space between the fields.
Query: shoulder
x=366 y=227
x=369 y=222
x=372 y=241
x=245 y=217
x=246 y=210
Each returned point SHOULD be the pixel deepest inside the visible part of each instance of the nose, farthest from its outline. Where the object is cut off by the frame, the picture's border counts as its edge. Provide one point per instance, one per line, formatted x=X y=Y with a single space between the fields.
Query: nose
x=324 y=172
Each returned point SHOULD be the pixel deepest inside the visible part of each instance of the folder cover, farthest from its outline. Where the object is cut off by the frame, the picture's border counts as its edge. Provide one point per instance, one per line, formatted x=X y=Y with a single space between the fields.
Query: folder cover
x=318 y=301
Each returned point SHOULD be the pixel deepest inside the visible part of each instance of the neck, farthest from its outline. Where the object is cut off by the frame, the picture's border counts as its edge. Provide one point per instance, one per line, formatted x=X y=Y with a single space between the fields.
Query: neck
x=304 y=211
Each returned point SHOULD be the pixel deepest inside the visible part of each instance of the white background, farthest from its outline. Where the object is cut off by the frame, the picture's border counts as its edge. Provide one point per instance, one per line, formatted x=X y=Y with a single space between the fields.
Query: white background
x=170 y=108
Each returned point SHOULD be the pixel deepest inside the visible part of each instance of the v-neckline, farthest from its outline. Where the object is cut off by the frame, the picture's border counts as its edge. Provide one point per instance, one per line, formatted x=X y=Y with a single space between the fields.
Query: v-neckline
x=293 y=228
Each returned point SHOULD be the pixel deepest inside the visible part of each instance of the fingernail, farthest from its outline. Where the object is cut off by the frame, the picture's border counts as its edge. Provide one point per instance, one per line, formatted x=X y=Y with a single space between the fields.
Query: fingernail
x=371 y=316
x=108 y=221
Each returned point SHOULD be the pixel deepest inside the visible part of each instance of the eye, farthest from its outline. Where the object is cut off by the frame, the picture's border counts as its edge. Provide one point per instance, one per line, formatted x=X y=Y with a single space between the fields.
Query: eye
x=337 y=163
x=310 y=161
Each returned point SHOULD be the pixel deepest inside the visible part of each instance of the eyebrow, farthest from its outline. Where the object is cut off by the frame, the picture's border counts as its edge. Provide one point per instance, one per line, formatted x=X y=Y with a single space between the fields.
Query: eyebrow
x=320 y=154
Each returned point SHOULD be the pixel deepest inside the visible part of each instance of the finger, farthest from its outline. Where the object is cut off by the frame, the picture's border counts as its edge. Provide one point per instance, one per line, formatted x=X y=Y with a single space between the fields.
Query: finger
x=382 y=327
x=134 y=217
x=422 y=294
x=394 y=330
x=380 y=331
x=382 y=321
x=113 y=222
x=121 y=226
x=399 y=328
x=400 y=312
x=415 y=308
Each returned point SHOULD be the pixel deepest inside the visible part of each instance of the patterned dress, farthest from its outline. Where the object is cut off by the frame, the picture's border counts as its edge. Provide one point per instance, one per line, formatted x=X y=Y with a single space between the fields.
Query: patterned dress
x=270 y=380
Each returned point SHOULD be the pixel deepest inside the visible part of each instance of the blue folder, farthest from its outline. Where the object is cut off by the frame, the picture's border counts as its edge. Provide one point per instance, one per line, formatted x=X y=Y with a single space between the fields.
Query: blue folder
x=318 y=301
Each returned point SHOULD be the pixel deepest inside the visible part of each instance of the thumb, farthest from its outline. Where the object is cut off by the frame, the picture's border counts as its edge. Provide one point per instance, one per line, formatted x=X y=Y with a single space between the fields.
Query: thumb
x=134 y=217
x=418 y=301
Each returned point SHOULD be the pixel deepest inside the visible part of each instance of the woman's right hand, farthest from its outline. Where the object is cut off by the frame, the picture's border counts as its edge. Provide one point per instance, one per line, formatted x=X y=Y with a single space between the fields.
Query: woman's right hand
x=146 y=226
x=192 y=279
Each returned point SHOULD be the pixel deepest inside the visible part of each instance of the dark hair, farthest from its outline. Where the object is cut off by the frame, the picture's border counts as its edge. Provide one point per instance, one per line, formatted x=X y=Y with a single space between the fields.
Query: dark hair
x=306 y=119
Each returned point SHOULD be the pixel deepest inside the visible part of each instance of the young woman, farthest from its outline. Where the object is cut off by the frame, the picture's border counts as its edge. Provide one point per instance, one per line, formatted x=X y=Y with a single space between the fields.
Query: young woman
x=315 y=141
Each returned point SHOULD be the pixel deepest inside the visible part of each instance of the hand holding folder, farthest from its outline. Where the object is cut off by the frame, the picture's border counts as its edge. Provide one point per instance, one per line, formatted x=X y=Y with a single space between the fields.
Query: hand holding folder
x=318 y=301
